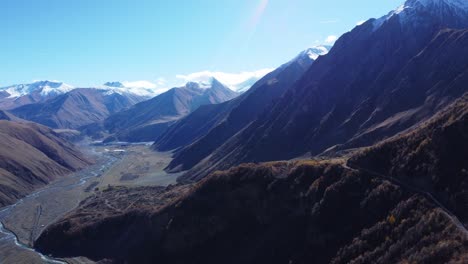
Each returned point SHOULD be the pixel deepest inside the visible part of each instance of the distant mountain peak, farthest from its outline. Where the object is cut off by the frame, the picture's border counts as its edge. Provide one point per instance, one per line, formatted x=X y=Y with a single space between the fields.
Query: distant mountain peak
x=192 y=85
x=44 y=88
x=117 y=87
x=433 y=5
x=306 y=57
x=316 y=51
x=215 y=83
x=455 y=3
x=211 y=83
x=114 y=84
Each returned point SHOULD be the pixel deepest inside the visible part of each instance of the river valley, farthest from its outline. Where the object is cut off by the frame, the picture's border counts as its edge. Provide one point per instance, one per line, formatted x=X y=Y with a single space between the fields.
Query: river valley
x=115 y=165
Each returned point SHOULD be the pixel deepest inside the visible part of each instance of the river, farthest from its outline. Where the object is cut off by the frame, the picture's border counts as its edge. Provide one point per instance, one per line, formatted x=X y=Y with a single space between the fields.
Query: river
x=23 y=221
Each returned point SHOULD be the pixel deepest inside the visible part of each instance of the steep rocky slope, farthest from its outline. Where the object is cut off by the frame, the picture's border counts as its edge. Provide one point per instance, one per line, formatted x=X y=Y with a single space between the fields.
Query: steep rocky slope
x=208 y=128
x=32 y=155
x=373 y=84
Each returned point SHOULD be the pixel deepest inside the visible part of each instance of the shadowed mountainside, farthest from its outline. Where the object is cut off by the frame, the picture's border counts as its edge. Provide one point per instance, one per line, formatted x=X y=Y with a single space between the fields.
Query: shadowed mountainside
x=5 y=115
x=341 y=102
x=209 y=127
x=272 y=213
x=389 y=207
x=432 y=157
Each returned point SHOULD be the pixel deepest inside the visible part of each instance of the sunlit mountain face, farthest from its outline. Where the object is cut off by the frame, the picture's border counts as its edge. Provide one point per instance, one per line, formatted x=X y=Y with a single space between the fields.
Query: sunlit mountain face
x=257 y=134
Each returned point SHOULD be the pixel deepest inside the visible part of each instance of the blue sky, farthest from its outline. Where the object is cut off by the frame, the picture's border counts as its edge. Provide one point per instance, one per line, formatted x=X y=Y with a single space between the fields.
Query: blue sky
x=89 y=42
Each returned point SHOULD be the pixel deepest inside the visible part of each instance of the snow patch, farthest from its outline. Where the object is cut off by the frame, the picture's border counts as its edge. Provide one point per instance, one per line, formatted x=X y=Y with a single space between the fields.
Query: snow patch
x=122 y=89
x=43 y=88
x=457 y=8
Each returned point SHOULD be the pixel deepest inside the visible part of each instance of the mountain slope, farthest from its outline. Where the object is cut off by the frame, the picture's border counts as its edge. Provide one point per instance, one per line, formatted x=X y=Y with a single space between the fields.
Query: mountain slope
x=146 y=120
x=77 y=108
x=32 y=155
x=209 y=127
x=374 y=83
x=431 y=157
x=387 y=204
x=271 y=213
x=5 y=115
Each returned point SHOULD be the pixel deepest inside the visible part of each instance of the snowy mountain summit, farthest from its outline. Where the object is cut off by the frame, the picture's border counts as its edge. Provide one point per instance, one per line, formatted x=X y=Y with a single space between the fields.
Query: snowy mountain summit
x=316 y=51
x=450 y=13
x=439 y=3
x=309 y=55
x=43 y=88
x=114 y=84
x=120 y=88
x=211 y=83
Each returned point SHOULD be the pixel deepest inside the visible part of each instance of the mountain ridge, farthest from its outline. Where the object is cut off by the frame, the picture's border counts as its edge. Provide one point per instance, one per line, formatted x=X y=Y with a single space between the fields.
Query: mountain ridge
x=146 y=120
x=322 y=111
x=31 y=156
x=208 y=127
x=76 y=108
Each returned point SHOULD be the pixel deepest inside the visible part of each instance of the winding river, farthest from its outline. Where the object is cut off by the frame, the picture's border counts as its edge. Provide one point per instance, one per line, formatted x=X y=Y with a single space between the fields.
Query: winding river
x=22 y=222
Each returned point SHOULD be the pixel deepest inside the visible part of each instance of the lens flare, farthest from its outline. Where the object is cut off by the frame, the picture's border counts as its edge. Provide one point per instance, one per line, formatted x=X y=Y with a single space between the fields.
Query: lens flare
x=258 y=13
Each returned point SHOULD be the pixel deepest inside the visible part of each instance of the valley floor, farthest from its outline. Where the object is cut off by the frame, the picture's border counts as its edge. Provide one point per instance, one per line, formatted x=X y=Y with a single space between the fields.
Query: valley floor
x=117 y=165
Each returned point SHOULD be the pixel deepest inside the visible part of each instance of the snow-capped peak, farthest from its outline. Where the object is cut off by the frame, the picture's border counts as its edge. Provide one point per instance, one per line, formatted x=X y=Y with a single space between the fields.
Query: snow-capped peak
x=311 y=53
x=121 y=88
x=315 y=52
x=445 y=10
x=114 y=84
x=212 y=82
x=44 y=88
x=455 y=3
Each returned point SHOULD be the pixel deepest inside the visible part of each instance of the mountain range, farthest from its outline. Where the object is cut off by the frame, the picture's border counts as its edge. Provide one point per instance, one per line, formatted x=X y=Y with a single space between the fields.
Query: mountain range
x=23 y=94
x=146 y=120
x=351 y=153
x=328 y=211
x=373 y=137
x=76 y=108
x=379 y=79
x=206 y=129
